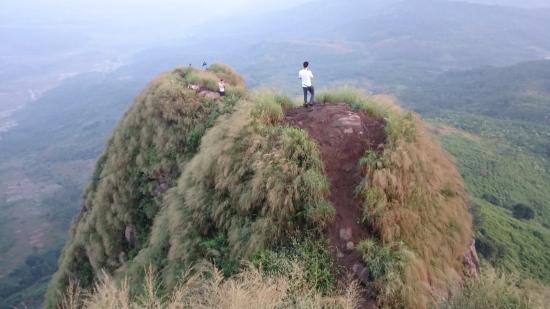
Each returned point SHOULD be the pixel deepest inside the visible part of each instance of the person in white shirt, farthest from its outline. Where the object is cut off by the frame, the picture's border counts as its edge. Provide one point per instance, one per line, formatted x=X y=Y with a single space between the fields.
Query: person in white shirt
x=221 y=86
x=307 y=76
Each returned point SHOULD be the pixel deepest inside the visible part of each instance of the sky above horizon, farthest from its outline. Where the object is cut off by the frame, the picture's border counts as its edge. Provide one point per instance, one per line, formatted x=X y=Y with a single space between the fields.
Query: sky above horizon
x=128 y=20
x=137 y=22
x=124 y=11
x=164 y=12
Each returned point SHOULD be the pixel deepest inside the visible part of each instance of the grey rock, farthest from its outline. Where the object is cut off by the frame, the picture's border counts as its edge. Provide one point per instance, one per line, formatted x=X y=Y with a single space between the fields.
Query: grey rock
x=361 y=273
x=345 y=234
x=130 y=235
x=471 y=261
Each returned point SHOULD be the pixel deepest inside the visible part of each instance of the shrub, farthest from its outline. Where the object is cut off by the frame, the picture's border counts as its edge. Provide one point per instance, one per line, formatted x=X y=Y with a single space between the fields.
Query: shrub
x=269 y=107
x=491 y=199
x=489 y=249
x=381 y=261
x=521 y=211
x=226 y=73
x=351 y=96
x=202 y=79
x=495 y=290
x=321 y=214
x=318 y=266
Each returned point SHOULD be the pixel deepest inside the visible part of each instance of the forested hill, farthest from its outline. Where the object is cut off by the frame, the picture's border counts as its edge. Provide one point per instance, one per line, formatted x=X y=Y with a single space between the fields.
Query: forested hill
x=518 y=92
x=495 y=121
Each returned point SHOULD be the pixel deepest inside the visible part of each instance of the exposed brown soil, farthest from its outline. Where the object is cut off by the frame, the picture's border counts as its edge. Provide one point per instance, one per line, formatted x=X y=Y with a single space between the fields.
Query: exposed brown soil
x=343 y=136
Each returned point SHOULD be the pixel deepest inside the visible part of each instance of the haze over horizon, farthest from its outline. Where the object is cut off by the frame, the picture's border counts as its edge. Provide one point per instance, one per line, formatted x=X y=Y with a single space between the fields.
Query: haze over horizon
x=129 y=15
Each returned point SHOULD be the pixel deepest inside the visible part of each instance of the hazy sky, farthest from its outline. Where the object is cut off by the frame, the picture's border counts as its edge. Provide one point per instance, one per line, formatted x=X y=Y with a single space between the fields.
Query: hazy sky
x=128 y=20
x=131 y=11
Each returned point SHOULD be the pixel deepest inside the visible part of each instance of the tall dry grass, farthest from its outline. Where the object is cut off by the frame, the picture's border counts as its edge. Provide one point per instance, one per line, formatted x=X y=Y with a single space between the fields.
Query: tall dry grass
x=205 y=287
x=415 y=195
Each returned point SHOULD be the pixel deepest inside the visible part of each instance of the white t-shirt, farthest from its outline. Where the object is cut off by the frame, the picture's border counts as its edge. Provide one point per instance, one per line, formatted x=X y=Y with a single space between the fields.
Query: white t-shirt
x=306 y=76
x=222 y=86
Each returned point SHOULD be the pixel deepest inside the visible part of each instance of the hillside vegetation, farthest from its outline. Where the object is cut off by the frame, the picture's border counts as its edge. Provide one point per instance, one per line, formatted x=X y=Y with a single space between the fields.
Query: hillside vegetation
x=494 y=121
x=128 y=183
x=415 y=202
x=520 y=92
x=189 y=178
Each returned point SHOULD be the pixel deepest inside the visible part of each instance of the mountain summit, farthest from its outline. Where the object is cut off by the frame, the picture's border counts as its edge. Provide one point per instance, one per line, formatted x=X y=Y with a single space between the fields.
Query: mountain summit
x=247 y=201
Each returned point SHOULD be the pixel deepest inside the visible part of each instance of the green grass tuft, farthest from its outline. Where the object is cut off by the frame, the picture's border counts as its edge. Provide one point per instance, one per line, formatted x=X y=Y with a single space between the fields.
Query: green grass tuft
x=319 y=268
x=321 y=214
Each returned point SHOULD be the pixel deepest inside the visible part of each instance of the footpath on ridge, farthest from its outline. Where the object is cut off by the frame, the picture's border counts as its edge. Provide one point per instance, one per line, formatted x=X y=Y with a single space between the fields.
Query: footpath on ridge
x=343 y=136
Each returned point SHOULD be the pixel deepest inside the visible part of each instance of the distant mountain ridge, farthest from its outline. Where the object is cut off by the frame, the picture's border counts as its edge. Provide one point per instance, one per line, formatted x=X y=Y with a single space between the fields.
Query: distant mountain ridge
x=531 y=4
x=385 y=42
x=517 y=92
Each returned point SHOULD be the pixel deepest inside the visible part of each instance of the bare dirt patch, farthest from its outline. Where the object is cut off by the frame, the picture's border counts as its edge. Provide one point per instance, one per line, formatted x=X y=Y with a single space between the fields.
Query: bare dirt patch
x=343 y=136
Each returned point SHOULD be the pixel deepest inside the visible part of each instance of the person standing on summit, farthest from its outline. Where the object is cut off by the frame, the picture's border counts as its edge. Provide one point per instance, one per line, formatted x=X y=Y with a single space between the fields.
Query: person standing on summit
x=307 y=76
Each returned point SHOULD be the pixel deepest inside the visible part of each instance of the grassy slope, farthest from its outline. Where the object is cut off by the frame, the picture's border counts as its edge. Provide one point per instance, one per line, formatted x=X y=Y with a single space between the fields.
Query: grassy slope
x=501 y=170
x=226 y=204
x=519 y=92
x=415 y=203
x=525 y=245
x=138 y=165
x=501 y=147
x=254 y=183
x=512 y=177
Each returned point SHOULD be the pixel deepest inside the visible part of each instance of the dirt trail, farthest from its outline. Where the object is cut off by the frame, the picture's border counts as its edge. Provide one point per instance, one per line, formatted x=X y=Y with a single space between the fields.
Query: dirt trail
x=343 y=136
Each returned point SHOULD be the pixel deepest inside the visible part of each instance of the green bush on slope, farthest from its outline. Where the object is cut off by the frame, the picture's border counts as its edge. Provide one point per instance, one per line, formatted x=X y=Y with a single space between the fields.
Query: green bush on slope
x=319 y=268
x=510 y=244
x=499 y=290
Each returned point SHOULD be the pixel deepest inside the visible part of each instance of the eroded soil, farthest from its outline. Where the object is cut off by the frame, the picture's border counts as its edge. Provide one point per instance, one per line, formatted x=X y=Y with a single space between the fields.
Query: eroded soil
x=343 y=136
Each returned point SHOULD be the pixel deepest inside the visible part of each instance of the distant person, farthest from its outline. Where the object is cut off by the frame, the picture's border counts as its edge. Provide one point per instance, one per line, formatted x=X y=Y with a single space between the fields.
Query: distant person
x=221 y=86
x=204 y=65
x=307 y=76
